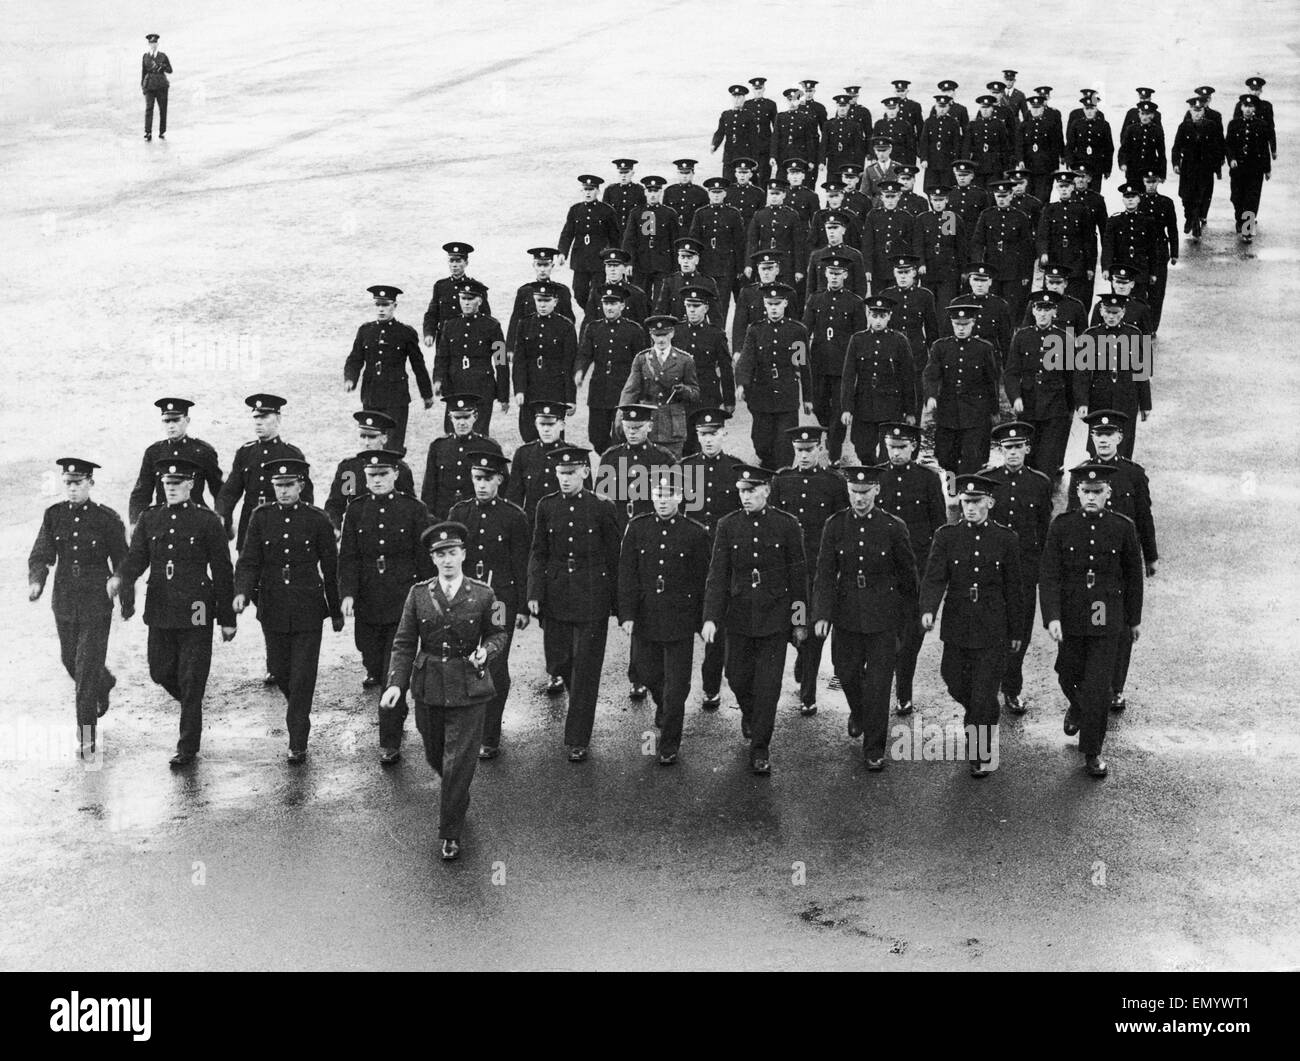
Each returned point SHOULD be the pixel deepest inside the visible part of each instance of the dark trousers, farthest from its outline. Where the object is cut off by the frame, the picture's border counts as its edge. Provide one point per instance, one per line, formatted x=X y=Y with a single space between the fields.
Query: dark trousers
x=483 y=425
x=1157 y=293
x=1123 y=657
x=722 y=304
x=1050 y=439
x=375 y=642
x=83 y=645
x=293 y=658
x=665 y=666
x=577 y=652
x=179 y=661
x=451 y=738
x=400 y=414
x=600 y=428
x=1022 y=626
x=1080 y=287
x=1040 y=187
x=754 y=669
x=1085 y=667
x=865 y=436
x=962 y=449
x=911 y=637
x=160 y=95
x=527 y=424
x=767 y=432
x=582 y=281
x=807 y=660
x=715 y=660
x=648 y=282
x=1246 y=184
x=826 y=407
x=499 y=670
x=865 y=665
x=944 y=291
x=971 y=675
x=1196 y=189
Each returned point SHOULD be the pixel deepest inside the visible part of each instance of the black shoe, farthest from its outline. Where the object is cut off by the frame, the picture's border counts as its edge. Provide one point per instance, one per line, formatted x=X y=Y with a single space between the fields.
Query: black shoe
x=555 y=685
x=1247 y=238
x=798 y=670
x=1071 y=724
x=578 y=755
x=855 y=727
x=182 y=759
x=389 y=756
x=1187 y=225
x=147 y=137
x=296 y=758
x=667 y=758
x=488 y=751
x=638 y=692
x=269 y=679
x=760 y=765
x=450 y=850
x=1015 y=704
x=101 y=708
x=711 y=703
x=744 y=728
x=904 y=708
x=1096 y=766
x=808 y=710
x=1118 y=702
x=978 y=769
x=369 y=681
x=875 y=765
x=162 y=136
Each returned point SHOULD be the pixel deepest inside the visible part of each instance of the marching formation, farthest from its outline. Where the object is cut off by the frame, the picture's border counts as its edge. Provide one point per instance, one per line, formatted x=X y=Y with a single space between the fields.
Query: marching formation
x=877 y=312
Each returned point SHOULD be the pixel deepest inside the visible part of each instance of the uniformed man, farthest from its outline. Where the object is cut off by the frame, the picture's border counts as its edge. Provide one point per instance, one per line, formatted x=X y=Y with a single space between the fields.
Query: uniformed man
x=649 y=233
x=856 y=200
x=987 y=142
x=1133 y=115
x=912 y=492
x=850 y=222
x=888 y=230
x=898 y=130
x=248 y=478
x=1044 y=92
x=1142 y=144
x=1263 y=111
x=764 y=112
x=993 y=316
x=810 y=493
x=525 y=304
x=1071 y=314
x=845 y=138
x=961 y=381
x=450 y=633
x=1090 y=588
x=778 y=228
x=831 y=318
x=757 y=591
x=85 y=542
x=1093 y=201
x=608 y=347
x=1131 y=238
x=795 y=133
x=706 y=343
x=719 y=229
x=1039 y=383
x=1003 y=107
x=350 y=476
x=671 y=301
x=958 y=110
x=445 y=302
x=380 y=558
x=1246 y=147
x=913 y=312
x=738 y=134
x=626 y=196
x=1067 y=237
x=1088 y=141
x=909 y=200
x=967 y=199
x=879 y=381
x=939 y=142
x=191 y=585
x=664 y=379
x=447 y=469
x=1164 y=215
x=864 y=591
x=379 y=356
x=154 y=68
x=1197 y=157
x=810 y=105
x=939 y=241
x=1029 y=205
x=974 y=569
x=1023 y=501
x=799 y=197
x=663 y=565
x=835 y=228
x=685 y=197
x=749 y=302
x=544 y=355
x=471 y=357
x=879 y=169
x=176 y=442
x=1003 y=240
x=497 y=539
x=636 y=304
x=1117 y=379
x=533 y=474
x=1123 y=279
x=573 y=589
x=626 y=470
x=772 y=374
x=1130 y=495
x=589 y=228
x=289 y=566
x=861 y=115
x=1040 y=147
x=1206 y=94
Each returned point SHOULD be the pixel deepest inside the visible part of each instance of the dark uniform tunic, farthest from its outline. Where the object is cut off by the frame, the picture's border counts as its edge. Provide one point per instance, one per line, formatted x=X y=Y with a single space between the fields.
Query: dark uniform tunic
x=939 y=240
x=988 y=144
x=1198 y=156
x=447 y=478
x=856 y=281
x=544 y=354
x=794 y=135
x=444 y=304
x=85 y=544
x=914 y=315
x=1142 y=151
x=1004 y=241
x=608 y=348
x=496 y=554
x=350 y=483
x=148 y=488
x=764 y=111
x=939 y=146
x=866 y=588
x=714 y=373
x=648 y=236
x=471 y=359
x=1111 y=385
x=154 y=68
x=588 y=229
x=831 y=319
x=773 y=369
x=1041 y=148
x=525 y=306
x=289 y=565
x=739 y=137
x=885 y=233
x=846 y=144
x=191 y=584
x=636 y=309
x=685 y=199
x=1067 y=236
x=249 y=480
x=722 y=231
x=662 y=568
x=379 y=356
x=671 y=301
x=1088 y=142
x=1164 y=215
x=879 y=384
x=625 y=198
x=1247 y=145
x=1131 y=238
x=968 y=203
x=618 y=481
x=962 y=375
x=993 y=322
x=532 y=475
x=1038 y=374
x=782 y=230
x=745 y=199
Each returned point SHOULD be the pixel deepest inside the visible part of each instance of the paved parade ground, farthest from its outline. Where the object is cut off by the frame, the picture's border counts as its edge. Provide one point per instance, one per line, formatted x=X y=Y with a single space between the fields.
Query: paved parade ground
x=314 y=150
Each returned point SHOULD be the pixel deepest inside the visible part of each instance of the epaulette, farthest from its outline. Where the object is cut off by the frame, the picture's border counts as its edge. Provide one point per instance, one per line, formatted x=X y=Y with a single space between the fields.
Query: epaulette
x=638 y=517
x=692 y=519
x=477 y=582
x=1042 y=475
x=254 y=442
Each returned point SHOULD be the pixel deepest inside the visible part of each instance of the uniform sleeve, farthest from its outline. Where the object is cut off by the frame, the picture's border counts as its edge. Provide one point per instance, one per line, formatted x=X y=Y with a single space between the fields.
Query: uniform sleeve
x=441 y=359
x=1049 y=575
x=349 y=570
x=405 y=643
x=906 y=372
x=1130 y=565
x=823 y=595
x=355 y=360
x=43 y=553
x=416 y=356
x=540 y=557
x=935 y=581
x=117 y=552
x=229 y=495
x=798 y=572
x=223 y=589
x=726 y=371
x=801 y=358
x=431 y=314
x=1012 y=588
x=495 y=636
x=500 y=363
x=520 y=533
x=337 y=502
x=849 y=380
x=690 y=384
x=429 y=488
x=566 y=236
x=137 y=555
x=1146 y=526
x=936 y=507
x=718 y=584
x=328 y=555
x=628 y=597
x=248 y=568
x=142 y=493
x=631 y=392
x=570 y=353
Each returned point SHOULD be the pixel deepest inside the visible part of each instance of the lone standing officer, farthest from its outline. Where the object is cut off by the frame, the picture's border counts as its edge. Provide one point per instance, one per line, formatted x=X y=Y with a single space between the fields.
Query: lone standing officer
x=1090 y=587
x=379 y=355
x=865 y=590
x=974 y=569
x=445 y=303
x=289 y=566
x=573 y=589
x=350 y=476
x=176 y=442
x=191 y=585
x=380 y=557
x=757 y=591
x=471 y=356
x=154 y=69
x=771 y=374
x=450 y=632
x=497 y=538
x=662 y=569
x=85 y=542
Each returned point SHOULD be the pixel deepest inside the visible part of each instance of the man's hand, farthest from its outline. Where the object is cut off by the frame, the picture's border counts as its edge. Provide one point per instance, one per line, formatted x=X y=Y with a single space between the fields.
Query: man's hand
x=800 y=634
x=798 y=277
x=846 y=419
x=1018 y=406
x=1042 y=260
x=521 y=621
x=626 y=627
x=1232 y=163
x=478 y=657
x=1015 y=646
x=560 y=259
x=1054 y=630
x=1269 y=175
x=228 y=633
x=34 y=591
x=428 y=340
x=749 y=271
x=577 y=379
x=709 y=631
x=1081 y=412
x=391 y=695
x=535 y=607
x=346 y=606
x=112 y=586
x=1133 y=632
x=1090 y=272
x=931 y=404
x=821 y=628
x=927 y=621
x=729 y=409
x=336 y=621
x=230 y=532
x=437 y=388
x=1145 y=414
x=240 y=603
x=519 y=400
x=740 y=393
x=505 y=405
x=920 y=271
x=349 y=385
x=428 y=403
x=1177 y=171
x=1173 y=262
x=1152 y=565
